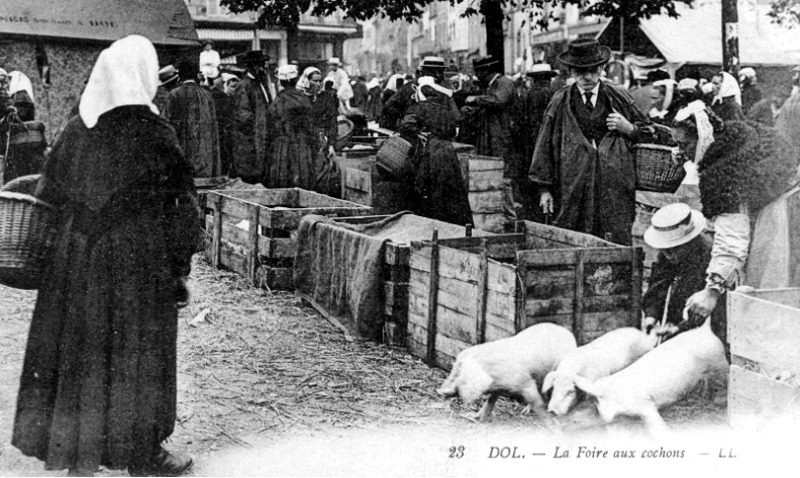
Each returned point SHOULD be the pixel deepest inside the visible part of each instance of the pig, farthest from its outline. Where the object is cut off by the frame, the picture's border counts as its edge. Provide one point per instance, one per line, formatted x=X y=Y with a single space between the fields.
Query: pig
x=660 y=378
x=510 y=366
x=604 y=356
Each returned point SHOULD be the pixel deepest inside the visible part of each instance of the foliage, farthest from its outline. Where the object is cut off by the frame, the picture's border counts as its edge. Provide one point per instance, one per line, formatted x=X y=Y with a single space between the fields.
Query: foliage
x=786 y=12
x=288 y=12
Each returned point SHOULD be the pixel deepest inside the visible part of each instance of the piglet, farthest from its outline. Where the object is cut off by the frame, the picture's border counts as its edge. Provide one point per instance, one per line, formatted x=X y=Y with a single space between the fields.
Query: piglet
x=606 y=355
x=660 y=378
x=510 y=366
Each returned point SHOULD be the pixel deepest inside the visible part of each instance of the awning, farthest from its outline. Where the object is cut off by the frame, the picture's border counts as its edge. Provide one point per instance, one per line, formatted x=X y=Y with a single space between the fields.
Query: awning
x=223 y=34
x=340 y=30
x=696 y=37
x=583 y=31
x=164 y=22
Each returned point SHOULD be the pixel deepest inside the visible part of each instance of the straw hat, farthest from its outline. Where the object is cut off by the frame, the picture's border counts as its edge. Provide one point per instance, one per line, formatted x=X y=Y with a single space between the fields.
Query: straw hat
x=541 y=70
x=674 y=225
x=335 y=61
x=168 y=74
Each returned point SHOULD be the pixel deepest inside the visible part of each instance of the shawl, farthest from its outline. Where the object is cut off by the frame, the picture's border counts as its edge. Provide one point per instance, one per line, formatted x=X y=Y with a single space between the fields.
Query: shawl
x=19 y=82
x=728 y=87
x=126 y=73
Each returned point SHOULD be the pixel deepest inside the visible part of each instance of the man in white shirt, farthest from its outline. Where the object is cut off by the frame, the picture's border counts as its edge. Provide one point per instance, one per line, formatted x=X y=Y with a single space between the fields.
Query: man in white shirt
x=209 y=61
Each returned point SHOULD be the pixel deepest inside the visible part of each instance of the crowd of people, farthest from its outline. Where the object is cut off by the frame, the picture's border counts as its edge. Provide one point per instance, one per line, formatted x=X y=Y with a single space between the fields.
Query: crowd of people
x=98 y=381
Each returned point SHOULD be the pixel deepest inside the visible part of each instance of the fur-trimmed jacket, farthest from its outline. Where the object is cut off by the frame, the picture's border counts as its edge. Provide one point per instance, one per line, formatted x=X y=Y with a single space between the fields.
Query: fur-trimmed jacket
x=748 y=164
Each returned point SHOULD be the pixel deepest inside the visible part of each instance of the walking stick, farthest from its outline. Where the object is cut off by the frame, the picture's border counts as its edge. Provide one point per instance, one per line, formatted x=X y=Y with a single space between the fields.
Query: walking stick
x=4 y=158
x=666 y=310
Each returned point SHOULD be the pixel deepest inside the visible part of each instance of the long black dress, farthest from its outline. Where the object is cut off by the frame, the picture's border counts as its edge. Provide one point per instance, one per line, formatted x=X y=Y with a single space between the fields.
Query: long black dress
x=440 y=191
x=98 y=383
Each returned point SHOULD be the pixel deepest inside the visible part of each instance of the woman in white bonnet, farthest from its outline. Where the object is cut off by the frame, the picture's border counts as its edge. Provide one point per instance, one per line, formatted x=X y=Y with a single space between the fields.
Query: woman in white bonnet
x=98 y=384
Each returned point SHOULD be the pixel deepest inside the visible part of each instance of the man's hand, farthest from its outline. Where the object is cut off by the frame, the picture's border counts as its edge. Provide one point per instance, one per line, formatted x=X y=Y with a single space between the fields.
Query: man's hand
x=546 y=202
x=617 y=122
x=470 y=100
x=701 y=304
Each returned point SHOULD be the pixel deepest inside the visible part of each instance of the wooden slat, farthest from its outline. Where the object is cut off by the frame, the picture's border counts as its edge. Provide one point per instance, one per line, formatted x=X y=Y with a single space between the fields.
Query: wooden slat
x=567 y=256
x=483 y=289
x=433 y=290
x=478 y=242
x=592 y=324
x=397 y=254
x=485 y=163
x=577 y=325
x=452 y=293
x=311 y=199
x=286 y=197
x=361 y=219
x=358 y=180
x=601 y=303
x=754 y=399
x=216 y=234
x=449 y=323
x=289 y=219
x=556 y=235
x=486 y=201
x=232 y=260
x=358 y=197
x=465 y=267
x=490 y=221
x=765 y=332
x=418 y=349
x=252 y=244
x=447 y=346
x=637 y=255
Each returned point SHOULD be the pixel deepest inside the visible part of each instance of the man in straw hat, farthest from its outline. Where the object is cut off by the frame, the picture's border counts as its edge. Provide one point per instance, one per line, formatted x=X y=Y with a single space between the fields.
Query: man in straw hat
x=167 y=81
x=250 y=119
x=584 y=160
x=684 y=251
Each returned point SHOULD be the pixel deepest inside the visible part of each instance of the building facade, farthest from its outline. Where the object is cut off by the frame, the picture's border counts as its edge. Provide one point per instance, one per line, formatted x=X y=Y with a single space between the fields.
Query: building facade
x=313 y=41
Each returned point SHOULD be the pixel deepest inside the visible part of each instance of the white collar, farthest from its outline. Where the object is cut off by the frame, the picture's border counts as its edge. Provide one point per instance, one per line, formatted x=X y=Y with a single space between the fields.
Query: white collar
x=594 y=91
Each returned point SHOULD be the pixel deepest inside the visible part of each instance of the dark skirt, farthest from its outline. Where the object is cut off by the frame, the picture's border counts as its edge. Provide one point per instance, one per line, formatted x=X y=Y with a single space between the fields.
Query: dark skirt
x=98 y=384
x=441 y=192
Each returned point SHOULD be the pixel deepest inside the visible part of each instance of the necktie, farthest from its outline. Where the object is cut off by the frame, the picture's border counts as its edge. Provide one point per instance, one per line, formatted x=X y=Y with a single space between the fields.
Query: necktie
x=588 y=103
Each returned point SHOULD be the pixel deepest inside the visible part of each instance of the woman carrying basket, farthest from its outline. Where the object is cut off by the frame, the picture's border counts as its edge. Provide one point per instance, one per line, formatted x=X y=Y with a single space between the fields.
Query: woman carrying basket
x=98 y=384
x=748 y=188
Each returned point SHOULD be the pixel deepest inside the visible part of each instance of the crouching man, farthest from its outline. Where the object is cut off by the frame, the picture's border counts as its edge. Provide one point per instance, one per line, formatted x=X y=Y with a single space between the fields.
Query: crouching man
x=679 y=271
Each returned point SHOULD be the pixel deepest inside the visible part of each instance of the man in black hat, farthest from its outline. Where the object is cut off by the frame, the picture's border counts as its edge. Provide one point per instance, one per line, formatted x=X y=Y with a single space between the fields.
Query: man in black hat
x=250 y=119
x=394 y=109
x=583 y=160
x=494 y=138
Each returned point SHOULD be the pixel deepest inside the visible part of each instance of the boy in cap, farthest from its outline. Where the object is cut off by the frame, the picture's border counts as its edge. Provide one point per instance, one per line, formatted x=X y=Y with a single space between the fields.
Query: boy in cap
x=684 y=251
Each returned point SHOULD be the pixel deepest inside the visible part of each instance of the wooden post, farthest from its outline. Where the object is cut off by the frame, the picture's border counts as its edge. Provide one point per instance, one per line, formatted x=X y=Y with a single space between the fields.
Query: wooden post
x=520 y=296
x=216 y=233
x=433 y=298
x=636 y=285
x=252 y=246
x=577 y=318
x=483 y=292
x=468 y=231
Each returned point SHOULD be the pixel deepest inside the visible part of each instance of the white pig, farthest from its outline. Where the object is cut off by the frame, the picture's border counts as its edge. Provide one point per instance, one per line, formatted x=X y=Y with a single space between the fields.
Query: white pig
x=606 y=355
x=510 y=366
x=660 y=378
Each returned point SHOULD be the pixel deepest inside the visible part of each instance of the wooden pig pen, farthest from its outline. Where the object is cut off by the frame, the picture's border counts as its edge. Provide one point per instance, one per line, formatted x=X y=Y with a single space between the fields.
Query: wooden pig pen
x=361 y=183
x=254 y=232
x=396 y=274
x=468 y=291
x=764 y=337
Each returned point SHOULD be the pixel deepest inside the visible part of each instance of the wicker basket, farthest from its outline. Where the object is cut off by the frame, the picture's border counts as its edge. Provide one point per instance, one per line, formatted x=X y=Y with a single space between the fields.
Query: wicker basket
x=655 y=170
x=393 y=155
x=26 y=235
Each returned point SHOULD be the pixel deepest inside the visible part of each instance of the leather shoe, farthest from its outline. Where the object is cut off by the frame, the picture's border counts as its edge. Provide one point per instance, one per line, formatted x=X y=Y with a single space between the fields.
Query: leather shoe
x=163 y=463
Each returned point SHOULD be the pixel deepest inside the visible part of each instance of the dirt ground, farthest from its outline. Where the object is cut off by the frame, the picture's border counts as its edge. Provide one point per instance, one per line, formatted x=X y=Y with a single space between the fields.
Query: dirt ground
x=268 y=388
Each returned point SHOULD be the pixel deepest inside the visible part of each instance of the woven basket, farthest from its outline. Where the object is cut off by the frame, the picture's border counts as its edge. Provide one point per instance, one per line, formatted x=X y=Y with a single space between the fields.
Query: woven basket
x=27 y=233
x=655 y=170
x=345 y=130
x=393 y=155
x=32 y=132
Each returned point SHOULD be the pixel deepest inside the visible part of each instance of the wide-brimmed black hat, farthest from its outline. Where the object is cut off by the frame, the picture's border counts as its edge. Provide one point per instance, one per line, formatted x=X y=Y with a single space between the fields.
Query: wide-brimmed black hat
x=252 y=57
x=485 y=63
x=585 y=54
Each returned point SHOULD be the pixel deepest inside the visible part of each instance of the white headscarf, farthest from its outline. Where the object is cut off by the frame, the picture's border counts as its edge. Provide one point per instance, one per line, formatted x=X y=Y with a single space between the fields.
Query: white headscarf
x=304 y=83
x=126 y=73
x=669 y=93
x=705 y=132
x=392 y=83
x=728 y=87
x=287 y=72
x=19 y=82
x=431 y=82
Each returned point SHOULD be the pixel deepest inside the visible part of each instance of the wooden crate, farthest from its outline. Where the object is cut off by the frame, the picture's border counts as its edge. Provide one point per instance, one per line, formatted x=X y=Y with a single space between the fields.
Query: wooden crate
x=396 y=273
x=254 y=232
x=361 y=183
x=764 y=336
x=467 y=291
